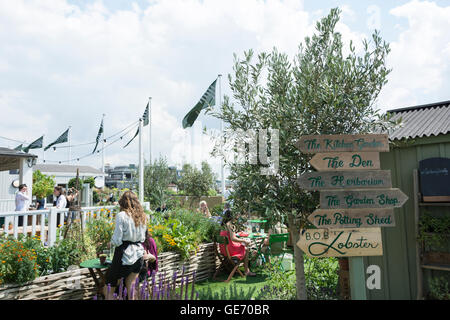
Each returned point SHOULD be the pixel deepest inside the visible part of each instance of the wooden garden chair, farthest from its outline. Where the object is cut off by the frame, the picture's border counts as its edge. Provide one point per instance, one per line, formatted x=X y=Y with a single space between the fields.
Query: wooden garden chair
x=227 y=262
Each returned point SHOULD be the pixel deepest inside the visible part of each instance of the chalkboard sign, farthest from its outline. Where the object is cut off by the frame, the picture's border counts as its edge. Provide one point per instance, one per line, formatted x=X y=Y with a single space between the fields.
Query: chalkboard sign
x=435 y=179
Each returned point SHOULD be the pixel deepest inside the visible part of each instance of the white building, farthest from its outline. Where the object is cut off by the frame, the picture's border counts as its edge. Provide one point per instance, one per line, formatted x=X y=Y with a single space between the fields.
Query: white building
x=63 y=173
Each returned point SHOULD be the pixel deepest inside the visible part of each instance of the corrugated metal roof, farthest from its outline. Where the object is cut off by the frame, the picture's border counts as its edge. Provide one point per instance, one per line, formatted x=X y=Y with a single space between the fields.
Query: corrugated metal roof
x=422 y=121
x=6 y=152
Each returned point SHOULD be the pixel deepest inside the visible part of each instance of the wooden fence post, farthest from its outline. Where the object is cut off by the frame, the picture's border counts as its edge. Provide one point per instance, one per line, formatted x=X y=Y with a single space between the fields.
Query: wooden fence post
x=52 y=223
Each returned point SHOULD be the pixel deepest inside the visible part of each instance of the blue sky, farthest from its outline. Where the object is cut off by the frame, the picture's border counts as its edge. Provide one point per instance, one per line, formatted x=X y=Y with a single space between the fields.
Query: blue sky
x=66 y=62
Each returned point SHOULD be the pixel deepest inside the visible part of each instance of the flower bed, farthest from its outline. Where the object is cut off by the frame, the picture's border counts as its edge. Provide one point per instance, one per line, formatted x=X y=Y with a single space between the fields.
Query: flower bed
x=180 y=237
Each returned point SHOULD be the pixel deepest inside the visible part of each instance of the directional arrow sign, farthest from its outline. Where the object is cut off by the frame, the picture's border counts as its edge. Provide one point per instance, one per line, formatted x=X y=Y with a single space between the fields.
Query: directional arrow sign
x=345 y=179
x=346 y=161
x=359 y=199
x=339 y=143
x=352 y=218
x=341 y=242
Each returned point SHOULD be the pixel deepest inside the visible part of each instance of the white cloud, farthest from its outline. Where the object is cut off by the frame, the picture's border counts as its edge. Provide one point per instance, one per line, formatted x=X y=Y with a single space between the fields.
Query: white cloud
x=420 y=56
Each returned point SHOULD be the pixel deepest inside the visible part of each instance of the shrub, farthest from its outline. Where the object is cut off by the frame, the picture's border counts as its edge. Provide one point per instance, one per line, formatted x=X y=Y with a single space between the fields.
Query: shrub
x=17 y=263
x=322 y=277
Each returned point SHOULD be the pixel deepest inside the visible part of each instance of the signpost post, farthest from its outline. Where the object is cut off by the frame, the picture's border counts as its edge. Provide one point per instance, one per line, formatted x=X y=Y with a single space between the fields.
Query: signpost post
x=356 y=198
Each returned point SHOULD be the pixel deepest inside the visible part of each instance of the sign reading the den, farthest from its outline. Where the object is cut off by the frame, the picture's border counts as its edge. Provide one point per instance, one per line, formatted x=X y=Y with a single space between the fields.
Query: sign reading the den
x=341 y=242
x=345 y=179
x=435 y=179
x=340 y=143
x=358 y=199
x=352 y=218
x=346 y=161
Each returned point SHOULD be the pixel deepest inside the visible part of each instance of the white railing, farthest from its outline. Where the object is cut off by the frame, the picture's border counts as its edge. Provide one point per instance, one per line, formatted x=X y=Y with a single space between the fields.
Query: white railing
x=48 y=222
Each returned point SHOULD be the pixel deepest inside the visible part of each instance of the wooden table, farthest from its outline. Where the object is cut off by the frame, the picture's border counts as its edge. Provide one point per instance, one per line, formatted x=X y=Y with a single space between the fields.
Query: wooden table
x=101 y=269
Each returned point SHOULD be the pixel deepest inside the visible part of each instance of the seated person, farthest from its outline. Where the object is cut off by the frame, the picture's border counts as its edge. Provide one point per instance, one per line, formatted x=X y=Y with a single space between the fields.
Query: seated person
x=203 y=208
x=150 y=258
x=237 y=247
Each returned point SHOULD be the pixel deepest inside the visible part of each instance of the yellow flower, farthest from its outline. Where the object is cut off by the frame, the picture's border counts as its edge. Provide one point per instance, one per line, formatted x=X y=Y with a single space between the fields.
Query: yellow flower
x=3 y=261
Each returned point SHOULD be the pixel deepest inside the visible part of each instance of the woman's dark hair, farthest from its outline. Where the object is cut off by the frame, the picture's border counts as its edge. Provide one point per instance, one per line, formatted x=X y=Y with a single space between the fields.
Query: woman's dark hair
x=227 y=216
x=22 y=186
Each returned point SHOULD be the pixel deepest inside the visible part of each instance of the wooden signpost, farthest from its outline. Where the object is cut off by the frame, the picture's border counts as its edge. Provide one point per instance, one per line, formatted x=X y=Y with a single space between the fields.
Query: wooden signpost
x=352 y=218
x=341 y=242
x=344 y=143
x=323 y=180
x=356 y=198
x=346 y=161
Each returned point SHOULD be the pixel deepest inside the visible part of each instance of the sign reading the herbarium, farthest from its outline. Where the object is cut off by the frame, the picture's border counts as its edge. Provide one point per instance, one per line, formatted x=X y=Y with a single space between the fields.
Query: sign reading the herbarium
x=340 y=143
x=345 y=179
x=352 y=218
x=346 y=161
x=341 y=242
x=358 y=199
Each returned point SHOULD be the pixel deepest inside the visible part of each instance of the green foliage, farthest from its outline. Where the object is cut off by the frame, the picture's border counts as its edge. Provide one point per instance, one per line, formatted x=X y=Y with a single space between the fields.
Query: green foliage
x=212 y=192
x=280 y=284
x=230 y=293
x=73 y=182
x=17 y=263
x=42 y=184
x=157 y=176
x=434 y=231
x=195 y=182
x=217 y=210
x=322 y=277
x=100 y=231
x=439 y=288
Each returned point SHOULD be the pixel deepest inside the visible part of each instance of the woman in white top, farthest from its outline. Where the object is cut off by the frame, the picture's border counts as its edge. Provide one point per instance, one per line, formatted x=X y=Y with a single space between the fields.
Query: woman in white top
x=129 y=234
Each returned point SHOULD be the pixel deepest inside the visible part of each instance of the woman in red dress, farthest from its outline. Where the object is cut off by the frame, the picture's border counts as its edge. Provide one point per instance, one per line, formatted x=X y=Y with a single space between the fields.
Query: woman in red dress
x=236 y=247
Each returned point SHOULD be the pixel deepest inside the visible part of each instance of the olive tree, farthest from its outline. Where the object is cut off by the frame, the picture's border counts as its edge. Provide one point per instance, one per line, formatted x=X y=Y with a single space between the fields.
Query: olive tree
x=320 y=92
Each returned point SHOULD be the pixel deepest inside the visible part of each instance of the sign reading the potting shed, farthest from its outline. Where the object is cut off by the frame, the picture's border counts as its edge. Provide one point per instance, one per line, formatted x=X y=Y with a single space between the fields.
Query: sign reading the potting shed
x=341 y=242
x=347 y=143
x=352 y=218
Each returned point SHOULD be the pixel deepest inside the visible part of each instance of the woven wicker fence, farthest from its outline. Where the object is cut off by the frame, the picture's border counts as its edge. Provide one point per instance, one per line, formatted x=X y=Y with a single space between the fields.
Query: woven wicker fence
x=77 y=284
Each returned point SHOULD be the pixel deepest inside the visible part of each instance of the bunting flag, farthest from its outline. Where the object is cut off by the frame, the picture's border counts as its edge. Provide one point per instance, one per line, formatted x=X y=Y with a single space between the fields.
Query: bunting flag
x=145 y=116
x=208 y=99
x=34 y=145
x=135 y=135
x=62 y=138
x=100 y=131
x=19 y=148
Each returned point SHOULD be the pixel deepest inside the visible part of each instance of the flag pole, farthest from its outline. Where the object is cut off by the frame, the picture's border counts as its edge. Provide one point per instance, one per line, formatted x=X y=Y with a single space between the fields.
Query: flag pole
x=70 y=148
x=221 y=144
x=103 y=145
x=141 y=167
x=43 y=149
x=150 y=128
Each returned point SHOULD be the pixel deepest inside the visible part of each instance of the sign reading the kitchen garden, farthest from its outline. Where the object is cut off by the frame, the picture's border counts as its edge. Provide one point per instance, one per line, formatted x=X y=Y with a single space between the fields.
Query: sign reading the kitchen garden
x=344 y=143
x=341 y=242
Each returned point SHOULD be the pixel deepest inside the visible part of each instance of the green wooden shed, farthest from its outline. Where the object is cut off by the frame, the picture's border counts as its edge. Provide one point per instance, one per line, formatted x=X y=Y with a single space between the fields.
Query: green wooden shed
x=425 y=133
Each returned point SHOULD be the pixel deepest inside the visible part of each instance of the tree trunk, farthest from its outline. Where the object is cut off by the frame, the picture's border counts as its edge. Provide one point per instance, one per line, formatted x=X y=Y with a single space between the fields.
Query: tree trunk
x=298 y=259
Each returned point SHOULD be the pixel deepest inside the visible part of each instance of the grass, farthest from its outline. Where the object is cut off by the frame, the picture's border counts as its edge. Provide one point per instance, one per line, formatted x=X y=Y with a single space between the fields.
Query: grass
x=244 y=284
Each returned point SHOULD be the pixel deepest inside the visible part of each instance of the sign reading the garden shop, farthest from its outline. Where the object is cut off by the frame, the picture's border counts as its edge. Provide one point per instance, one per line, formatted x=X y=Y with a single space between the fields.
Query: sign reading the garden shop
x=352 y=218
x=358 y=199
x=341 y=242
x=344 y=143
x=345 y=179
x=346 y=161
